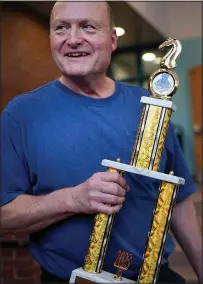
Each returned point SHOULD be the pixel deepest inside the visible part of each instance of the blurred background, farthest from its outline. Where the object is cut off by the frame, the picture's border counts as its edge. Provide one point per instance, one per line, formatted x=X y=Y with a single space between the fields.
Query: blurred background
x=141 y=27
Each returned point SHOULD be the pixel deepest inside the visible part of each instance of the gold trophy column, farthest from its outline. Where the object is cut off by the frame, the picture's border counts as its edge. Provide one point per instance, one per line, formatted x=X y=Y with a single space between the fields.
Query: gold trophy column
x=151 y=135
x=99 y=240
x=149 y=155
x=158 y=233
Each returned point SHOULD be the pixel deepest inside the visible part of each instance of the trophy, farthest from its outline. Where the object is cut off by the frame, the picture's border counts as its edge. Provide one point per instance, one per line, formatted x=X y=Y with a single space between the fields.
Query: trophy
x=145 y=159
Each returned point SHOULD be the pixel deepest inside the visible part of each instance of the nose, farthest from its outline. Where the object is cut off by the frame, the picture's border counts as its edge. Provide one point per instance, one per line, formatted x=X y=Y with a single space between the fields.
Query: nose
x=74 y=38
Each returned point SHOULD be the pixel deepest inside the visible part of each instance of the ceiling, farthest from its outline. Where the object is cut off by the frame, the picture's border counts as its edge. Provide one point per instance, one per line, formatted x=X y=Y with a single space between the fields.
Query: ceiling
x=138 y=30
x=178 y=19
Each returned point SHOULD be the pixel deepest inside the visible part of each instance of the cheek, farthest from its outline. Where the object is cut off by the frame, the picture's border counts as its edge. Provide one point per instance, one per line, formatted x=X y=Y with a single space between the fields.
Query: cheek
x=56 y=45
x=104 y=47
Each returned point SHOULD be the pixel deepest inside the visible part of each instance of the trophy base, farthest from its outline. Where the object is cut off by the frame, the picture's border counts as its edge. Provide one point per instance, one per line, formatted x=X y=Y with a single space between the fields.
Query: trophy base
x=79 y=276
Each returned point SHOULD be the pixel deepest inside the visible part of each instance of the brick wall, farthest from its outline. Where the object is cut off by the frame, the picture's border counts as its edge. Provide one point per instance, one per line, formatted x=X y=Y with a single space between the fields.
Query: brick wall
x=26 y=65
x=17 y=265
x=26 y=57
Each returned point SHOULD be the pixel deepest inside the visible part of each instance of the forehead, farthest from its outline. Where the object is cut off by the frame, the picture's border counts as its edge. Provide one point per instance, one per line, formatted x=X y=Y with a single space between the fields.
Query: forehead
x=75 y=11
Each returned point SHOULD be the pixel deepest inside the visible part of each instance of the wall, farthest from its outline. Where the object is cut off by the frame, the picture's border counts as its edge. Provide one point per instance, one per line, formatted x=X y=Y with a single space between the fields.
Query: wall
x=26 y=64
x=171 y=18
x=17 y=264
x=191 y=55
x=26 y=56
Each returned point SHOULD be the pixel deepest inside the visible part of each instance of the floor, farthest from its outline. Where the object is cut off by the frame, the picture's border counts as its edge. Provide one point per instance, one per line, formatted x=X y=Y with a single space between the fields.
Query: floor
x=178 y=260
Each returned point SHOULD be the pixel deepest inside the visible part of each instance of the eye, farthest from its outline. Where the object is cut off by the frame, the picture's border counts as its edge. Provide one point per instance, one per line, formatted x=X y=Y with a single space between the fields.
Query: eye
x=60 y=28
x=88 y=27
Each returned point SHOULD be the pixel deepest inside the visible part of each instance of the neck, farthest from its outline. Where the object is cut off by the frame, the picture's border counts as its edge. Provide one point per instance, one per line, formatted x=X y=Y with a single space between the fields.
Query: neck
x=102 y=87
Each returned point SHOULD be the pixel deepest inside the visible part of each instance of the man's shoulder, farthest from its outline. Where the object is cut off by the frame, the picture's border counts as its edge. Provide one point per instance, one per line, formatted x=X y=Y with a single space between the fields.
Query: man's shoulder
x=28 y=100
x=129 y=89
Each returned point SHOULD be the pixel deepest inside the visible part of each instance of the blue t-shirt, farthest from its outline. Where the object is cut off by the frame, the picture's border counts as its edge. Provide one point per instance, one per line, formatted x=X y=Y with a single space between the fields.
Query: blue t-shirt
x=54 y=138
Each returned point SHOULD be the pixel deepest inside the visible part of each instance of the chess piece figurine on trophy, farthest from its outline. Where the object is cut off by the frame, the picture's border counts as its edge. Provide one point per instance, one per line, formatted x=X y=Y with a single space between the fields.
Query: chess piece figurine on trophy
x=145 y=159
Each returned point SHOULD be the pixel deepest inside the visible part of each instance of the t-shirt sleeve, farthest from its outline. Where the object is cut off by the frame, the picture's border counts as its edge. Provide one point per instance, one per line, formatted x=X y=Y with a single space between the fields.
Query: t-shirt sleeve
x=14 y=169
x=176 y=163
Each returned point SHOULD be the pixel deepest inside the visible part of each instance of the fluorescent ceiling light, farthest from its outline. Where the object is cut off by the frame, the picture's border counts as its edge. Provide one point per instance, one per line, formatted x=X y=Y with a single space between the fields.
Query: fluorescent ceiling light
x=148 y=56
x=119 y=31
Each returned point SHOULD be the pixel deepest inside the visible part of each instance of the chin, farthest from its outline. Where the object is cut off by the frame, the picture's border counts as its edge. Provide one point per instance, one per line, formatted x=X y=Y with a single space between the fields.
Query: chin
x=75 y=72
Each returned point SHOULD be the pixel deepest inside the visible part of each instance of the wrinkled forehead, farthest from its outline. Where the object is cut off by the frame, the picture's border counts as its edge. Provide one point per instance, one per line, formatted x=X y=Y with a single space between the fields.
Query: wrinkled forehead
x=78 y=11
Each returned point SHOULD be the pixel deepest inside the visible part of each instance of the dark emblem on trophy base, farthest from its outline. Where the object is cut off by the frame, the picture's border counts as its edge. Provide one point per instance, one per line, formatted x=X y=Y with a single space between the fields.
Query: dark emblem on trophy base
x=122 y=263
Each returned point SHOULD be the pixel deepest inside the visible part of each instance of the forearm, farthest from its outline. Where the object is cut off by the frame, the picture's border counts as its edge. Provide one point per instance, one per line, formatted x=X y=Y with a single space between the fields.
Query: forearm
x=42 y=224
x=32 y=213
x=186 y=230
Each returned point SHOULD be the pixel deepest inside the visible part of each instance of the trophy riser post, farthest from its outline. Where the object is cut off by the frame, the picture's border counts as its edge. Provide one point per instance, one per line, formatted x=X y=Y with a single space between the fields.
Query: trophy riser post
x=98 y=243
x=151 y=136
x=99 y=240
x=158 y=233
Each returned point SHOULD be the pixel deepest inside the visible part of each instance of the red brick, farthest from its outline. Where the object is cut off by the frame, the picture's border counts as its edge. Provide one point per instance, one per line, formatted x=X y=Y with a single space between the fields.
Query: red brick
x=8 y=237
x=7 y=273
x=22 y=253
x=19 y=263
x=21 y=237
x=7 y=253
x=17 y=46
x=21 y=281
x=31 y=273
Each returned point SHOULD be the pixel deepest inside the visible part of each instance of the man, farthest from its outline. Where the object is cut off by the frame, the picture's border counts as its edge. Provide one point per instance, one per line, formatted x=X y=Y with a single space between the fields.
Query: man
x=53 y=141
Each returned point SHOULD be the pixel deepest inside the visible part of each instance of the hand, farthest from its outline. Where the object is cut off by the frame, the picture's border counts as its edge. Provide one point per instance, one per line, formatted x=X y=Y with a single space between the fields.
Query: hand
x=98 y=192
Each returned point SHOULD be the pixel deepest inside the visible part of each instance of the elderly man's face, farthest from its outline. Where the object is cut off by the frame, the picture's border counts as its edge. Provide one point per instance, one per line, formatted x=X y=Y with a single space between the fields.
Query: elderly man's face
x=81 y=38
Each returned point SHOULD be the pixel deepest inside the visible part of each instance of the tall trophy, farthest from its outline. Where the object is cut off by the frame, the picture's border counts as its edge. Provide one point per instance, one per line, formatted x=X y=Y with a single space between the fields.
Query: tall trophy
x=145 y=159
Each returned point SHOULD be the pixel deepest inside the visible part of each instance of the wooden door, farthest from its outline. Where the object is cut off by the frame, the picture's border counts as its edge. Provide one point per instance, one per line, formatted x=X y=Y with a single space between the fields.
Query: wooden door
x=195 y=80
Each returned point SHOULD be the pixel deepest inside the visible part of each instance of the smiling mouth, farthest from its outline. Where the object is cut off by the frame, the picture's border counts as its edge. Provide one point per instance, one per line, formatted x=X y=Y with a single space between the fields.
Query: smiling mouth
x=76 y=54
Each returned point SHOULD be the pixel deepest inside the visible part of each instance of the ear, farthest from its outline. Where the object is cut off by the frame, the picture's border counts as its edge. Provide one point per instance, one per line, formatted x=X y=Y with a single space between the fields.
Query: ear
x=114 y=39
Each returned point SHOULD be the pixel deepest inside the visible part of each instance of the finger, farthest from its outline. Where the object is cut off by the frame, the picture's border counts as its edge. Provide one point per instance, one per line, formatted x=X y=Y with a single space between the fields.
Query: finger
x=109 y=198
x=113 y=188
x=103 y=208
x=115 y=177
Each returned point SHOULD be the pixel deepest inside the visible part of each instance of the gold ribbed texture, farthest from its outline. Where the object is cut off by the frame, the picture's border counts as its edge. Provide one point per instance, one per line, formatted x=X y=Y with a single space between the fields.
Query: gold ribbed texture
x=96 y=240
x=162 y=139
x=138 y=135
x=147 y=143
x=94 y=256
x=159 y=223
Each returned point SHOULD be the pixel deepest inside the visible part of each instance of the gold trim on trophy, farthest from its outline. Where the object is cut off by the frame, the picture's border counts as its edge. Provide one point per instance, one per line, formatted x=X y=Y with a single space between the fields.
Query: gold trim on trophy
x=163 y=83
x=151 y=137
x=156 y=79
x=99 y=238
x=158 y=233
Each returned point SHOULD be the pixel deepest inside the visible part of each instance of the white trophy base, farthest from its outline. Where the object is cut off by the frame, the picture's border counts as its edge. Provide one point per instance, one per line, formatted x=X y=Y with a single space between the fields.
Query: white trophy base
x=79 y=276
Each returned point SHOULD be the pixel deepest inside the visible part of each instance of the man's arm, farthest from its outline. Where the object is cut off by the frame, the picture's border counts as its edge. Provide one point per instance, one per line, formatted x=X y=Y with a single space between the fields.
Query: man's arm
x=186 y=230
x=29 y=213
x=33 y=213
